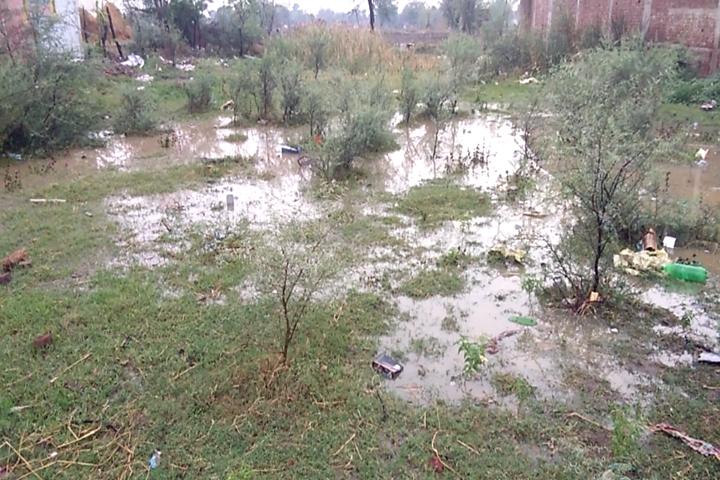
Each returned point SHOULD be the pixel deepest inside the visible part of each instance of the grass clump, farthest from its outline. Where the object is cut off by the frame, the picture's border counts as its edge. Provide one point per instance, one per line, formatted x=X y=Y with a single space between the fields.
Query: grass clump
x=429 y=283
x=236 y=137
x=438 y=201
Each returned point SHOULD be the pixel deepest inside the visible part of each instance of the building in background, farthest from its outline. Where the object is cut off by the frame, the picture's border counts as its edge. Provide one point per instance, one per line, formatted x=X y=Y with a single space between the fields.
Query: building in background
x=693 y=23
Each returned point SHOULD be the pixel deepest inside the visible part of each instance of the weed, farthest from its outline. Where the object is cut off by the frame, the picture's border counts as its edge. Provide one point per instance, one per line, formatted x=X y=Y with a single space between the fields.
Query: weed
x=135 y=116
x=439 y=201
x=199 y=94
x=450 y=324
x=473 y=352
x=456 y=257
x=430 y=347
x=625 y=434
x=236 y=137
x=428 y=283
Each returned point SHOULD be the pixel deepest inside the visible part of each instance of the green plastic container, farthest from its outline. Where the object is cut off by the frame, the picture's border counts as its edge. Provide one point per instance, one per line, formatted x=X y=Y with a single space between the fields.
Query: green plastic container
x=690 y=273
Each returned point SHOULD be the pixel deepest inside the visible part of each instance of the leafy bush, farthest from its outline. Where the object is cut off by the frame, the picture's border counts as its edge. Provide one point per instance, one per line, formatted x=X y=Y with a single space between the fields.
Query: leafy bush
x=291 y=90
x=46 y=104
x=409 y=94
x=135 y=116
x=199 y=94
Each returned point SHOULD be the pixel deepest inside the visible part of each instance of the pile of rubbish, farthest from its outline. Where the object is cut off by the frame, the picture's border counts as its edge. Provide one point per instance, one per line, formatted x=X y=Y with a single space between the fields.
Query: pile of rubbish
x=636 y=263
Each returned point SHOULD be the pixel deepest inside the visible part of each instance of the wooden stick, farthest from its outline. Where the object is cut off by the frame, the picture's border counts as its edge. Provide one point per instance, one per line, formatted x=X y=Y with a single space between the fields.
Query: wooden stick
x=27 y=464
x=89 y=434
x=344 y=445
x=467 y=446
x=437 y=454
x=184 y=371
x=71 y=366
x=45 y=200
x=591 y=422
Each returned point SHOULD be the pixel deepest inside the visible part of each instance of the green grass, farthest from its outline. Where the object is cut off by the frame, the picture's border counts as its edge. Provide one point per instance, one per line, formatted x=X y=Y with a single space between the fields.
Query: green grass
x=505 y=92
x=236 y=137
x=427 y=283
x=439 y=201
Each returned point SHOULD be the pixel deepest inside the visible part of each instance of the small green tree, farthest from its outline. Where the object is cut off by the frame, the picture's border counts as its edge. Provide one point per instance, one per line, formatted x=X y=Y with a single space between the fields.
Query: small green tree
x=318 y=43
x=291 y=89
x=409 y=94
x=266 y=85
x=136 y=113
x=243 y=86
x=315 y=108
x=604 y=106
x=199 y=94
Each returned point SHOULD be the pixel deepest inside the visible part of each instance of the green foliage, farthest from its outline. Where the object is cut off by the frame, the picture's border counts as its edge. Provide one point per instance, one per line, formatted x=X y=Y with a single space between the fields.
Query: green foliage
x=605 y=104
x=462 y=53
x=291 y=90
x=428 y=283
x=409 y=94
x=266 y=83
x=243 y=86
x=47 y=103
x=315 y=108
x=473 y=352
x=136 y=113
x=625 y=434
x=199 y=94
x=436 y=90
x=318 y=44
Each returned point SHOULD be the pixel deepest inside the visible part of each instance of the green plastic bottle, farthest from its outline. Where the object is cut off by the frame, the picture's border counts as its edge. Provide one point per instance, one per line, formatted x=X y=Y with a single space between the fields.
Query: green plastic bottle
x=690 y=273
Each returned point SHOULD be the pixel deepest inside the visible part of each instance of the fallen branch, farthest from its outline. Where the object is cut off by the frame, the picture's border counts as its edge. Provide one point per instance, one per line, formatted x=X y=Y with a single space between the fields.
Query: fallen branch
x=27 y=464
x=344 y=445
x=591 y=422
x=71 y=366
x=437 y=454
x=47 y=200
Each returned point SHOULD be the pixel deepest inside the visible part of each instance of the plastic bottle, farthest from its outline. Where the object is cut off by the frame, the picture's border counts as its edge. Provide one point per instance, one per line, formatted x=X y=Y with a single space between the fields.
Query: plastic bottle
x=690 y=273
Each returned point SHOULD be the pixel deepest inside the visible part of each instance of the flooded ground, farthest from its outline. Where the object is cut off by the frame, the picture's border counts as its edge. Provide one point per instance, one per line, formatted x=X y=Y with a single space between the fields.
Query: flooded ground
x=546 y=356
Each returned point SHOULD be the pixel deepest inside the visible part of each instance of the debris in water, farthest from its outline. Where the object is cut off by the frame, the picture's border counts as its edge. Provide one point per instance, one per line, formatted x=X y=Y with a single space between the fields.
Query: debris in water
x=649 y=241
x=387 y=366
x=669 y=242
x=703 y=448
x=520 y=320
x=155 y=458
x=503 y=252
x=493 y=346
x=709 y=357
x=289 y=149
x=42 y=341
x=634 y=263
x=691 y=273
x=701 y=153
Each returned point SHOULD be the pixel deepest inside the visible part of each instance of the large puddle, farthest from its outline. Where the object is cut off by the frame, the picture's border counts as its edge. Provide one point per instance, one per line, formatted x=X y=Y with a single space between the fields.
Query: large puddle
x=426 y=339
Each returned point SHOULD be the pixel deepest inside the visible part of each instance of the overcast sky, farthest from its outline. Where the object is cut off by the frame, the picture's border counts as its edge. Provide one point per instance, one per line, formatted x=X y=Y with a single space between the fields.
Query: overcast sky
x=314 y=6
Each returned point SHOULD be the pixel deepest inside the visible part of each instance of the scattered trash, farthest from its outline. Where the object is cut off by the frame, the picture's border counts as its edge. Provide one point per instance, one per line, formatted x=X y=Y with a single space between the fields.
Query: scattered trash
x=15 y=156
x=155 y=459
x=634 y=263
x=709 y=106
x=185 y=67
x=526 y=321
x=503 y=252
x=701 y=153
x=669 y=242
x=617 y=471
x=141 y=88
x=88 y=214
x=229 y=105
x=709 y=357
x=47 y=200
x=691 y=273
x=134 y=61
x=703 y=448
x=436 y=464
x=614 y=330
x=649 y=241
x=493 y=347
x=144 y=78
x=535 y=213
x=42 y=341
x=230 y=202
x=289 y=149
x=18 y=258
x=387 y=366
x=525 y=81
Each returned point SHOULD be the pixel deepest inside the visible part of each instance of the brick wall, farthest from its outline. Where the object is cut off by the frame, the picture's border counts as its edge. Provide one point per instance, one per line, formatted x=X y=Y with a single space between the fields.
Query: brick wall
x=693 y=23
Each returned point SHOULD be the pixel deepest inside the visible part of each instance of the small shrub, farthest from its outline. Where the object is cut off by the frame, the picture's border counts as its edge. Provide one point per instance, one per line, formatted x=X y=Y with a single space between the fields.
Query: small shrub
x=409 y=94
x=315 y=108
x=291 y=90
x=473 y=353
x=135 y=116
x=242 y=95
x=199 y=94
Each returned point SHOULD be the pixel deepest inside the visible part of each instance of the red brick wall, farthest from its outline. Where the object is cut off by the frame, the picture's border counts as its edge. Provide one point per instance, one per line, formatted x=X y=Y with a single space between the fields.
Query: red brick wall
x=693 y=23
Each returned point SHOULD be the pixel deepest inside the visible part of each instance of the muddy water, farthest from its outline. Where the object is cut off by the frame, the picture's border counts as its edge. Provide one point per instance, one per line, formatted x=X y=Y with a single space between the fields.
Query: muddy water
x=189 y=142
x=540 y=354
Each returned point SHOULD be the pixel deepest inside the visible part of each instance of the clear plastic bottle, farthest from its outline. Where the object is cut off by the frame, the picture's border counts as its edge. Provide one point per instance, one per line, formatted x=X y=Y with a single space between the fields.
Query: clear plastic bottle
x=690 y=273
